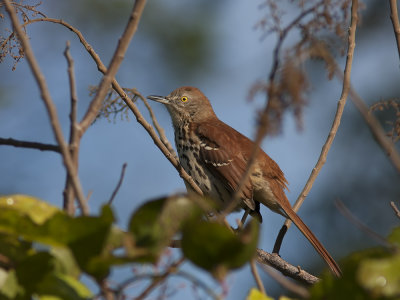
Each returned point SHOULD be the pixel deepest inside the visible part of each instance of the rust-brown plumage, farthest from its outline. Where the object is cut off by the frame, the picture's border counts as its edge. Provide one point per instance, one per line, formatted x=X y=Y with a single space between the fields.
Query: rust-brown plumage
x=215 y=155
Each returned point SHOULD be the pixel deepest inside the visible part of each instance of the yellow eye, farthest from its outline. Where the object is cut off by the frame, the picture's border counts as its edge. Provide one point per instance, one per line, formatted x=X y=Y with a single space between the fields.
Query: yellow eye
x=184 y=99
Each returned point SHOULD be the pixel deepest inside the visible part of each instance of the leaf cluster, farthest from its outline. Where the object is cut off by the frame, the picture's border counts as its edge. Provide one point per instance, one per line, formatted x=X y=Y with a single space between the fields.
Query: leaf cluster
x=43 y=251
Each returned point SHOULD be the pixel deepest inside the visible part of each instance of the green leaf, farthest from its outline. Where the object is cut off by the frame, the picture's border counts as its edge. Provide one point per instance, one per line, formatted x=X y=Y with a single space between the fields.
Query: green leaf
x=38 y=211
x=65 y=261
x=33 y=269
x=11 y=289
x=40 y=274
x=155 y=223
x=18 y=218
x=3 y=277
x=255 y=294
x=13 y=248
x=381 y=276
x=59 y=286
x=86 y=237
x=215 y=248
x=47 y=297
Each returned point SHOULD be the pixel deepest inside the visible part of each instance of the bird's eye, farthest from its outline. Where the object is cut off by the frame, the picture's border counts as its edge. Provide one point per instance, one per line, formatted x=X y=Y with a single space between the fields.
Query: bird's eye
x=184 y=99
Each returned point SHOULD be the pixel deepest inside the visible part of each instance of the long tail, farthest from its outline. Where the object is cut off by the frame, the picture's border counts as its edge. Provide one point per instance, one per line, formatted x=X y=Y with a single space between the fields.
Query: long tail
x=314 y=241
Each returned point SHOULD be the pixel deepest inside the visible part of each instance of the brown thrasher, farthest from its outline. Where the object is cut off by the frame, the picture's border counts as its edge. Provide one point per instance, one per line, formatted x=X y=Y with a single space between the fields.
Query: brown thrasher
x=215 y=155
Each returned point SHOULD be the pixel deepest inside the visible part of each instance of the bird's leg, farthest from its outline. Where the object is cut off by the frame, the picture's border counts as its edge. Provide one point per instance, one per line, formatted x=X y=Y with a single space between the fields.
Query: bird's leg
x=279 y=239
x=244 y=217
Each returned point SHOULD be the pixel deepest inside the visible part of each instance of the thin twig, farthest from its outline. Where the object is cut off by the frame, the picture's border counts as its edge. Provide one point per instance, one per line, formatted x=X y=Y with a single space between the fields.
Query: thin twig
x=360 y=225
x=197 y=282
x=285 y=268
x=51 y=108
x=74 y=140
x=160 y=130
x=112 y=69
x=105 y=290
x=395 y=21
x=287 y=284
x=139 y=118
x=256 y=275
x=376 y=129
x=339 y=111
x=282 y=35
x=31 y=145
x=395 y=208
x=121 y=178
x=157 y=279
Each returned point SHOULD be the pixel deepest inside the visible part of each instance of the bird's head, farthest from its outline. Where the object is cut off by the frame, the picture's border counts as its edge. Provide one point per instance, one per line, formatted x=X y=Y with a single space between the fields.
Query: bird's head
x=186 y=104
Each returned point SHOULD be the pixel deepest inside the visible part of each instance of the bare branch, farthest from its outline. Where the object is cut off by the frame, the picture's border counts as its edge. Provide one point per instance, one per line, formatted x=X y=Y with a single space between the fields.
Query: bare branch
x=256 y=275
x=286 y=283
x=51 y=109
x=195 y=281
x=395 y=21
x=116 y=61
x=32 y=145
x=156 y=280
x=360 y=225
x=285 y=268
x=121 y=178
x=74 y=140
x=395 y=208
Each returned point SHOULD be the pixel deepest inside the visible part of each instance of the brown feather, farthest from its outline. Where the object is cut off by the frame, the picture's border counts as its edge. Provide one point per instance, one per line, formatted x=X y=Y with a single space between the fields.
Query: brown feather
x=216 y=131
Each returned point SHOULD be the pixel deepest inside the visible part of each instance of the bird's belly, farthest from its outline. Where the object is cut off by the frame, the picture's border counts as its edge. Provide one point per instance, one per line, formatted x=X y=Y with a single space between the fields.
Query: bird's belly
x=209 y=185
x=263 y=193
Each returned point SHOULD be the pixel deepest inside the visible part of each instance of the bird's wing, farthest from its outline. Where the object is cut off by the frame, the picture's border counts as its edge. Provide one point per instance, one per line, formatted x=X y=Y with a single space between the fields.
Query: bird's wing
x=221 y=151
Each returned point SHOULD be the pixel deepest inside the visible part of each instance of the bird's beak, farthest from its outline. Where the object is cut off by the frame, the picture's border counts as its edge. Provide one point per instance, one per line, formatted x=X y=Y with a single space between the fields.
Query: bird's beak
x=160 y=99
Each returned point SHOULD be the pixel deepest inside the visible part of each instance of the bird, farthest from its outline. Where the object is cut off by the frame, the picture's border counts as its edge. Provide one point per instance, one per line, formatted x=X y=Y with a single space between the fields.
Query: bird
x=215 y=155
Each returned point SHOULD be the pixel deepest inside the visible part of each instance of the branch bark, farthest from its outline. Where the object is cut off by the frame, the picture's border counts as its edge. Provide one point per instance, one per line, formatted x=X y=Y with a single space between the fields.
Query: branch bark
x=285 y=268
x=31 y=145
x=121 y=178
x=395 y=209
x=74 y=140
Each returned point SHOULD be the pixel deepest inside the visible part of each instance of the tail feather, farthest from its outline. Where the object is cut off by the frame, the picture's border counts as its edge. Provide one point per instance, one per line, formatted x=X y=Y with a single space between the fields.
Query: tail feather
x=314 y=241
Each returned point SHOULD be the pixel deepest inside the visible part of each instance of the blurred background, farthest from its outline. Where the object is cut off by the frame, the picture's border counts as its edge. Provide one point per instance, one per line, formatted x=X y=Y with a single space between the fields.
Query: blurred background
x=214 y=46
